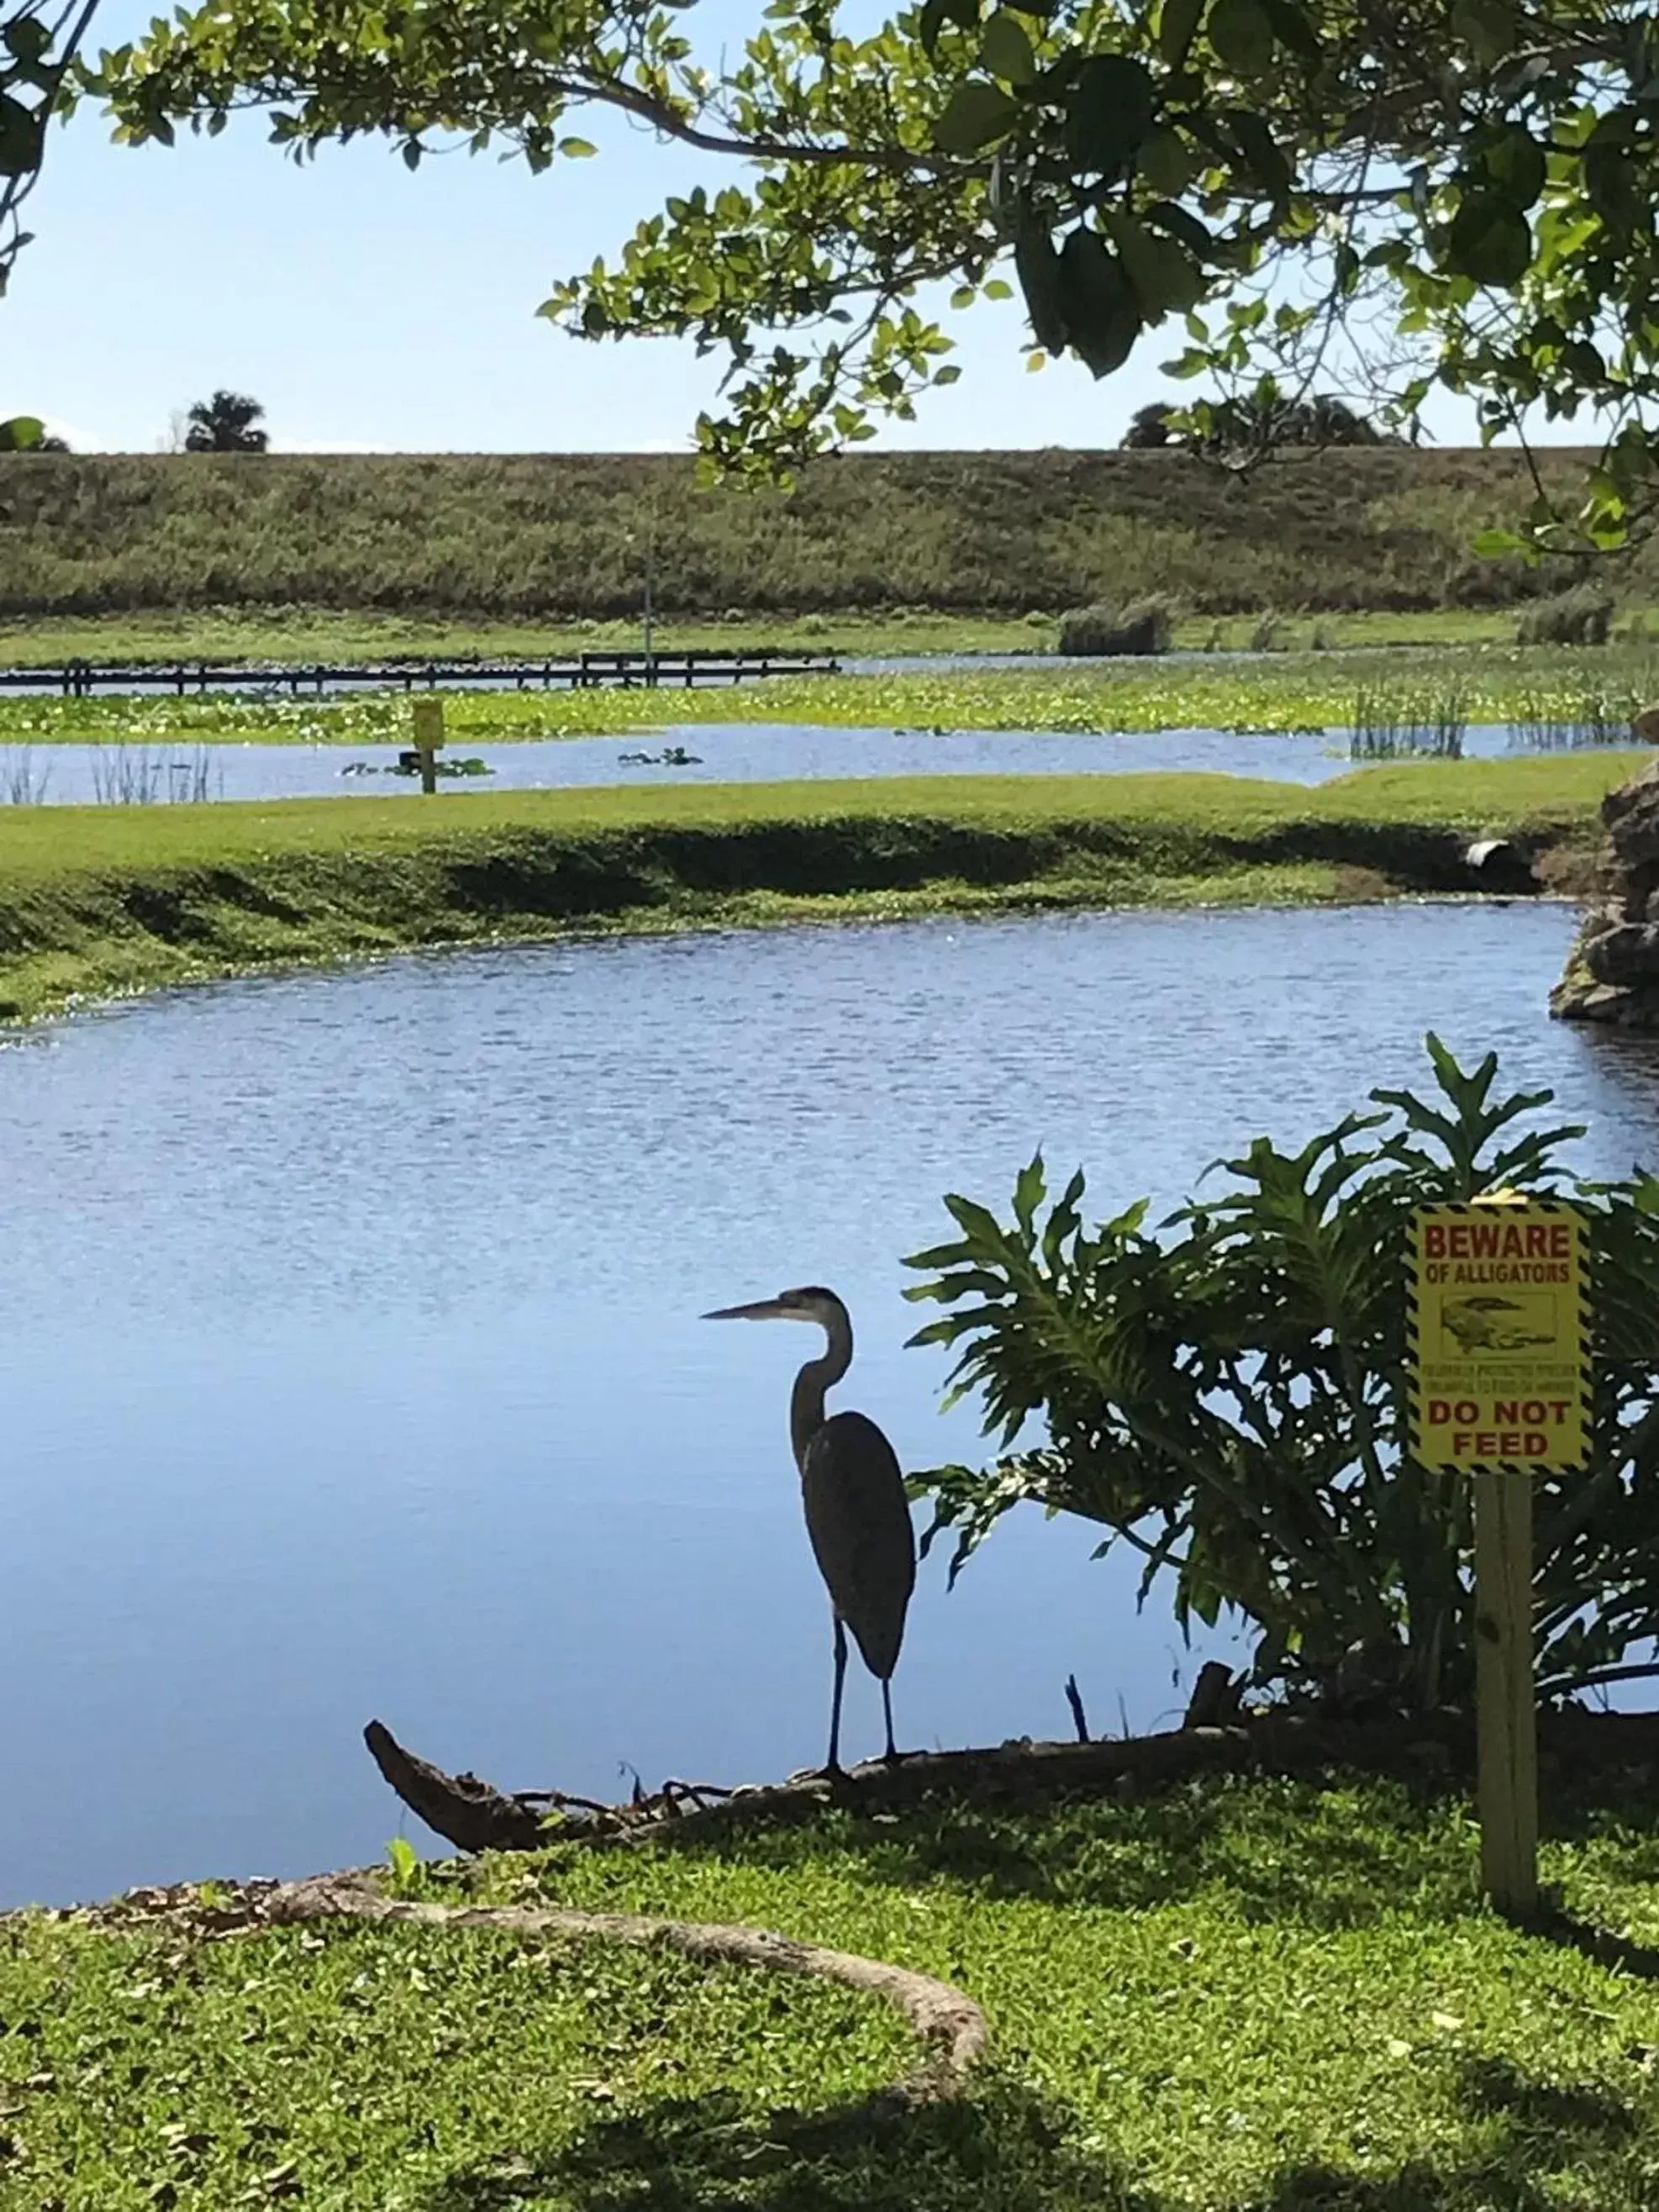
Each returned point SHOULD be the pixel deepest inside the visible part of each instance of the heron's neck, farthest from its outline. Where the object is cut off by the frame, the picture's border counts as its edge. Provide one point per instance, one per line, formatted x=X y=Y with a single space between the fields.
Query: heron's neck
x=807 y=1401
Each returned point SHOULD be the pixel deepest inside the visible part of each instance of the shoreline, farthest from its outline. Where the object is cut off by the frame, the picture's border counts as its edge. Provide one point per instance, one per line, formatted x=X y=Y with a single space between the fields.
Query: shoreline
x=100 y=904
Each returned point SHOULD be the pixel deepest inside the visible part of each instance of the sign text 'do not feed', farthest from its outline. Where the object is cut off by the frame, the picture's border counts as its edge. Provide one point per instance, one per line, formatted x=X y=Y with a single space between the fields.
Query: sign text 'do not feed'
x=1496 y=1330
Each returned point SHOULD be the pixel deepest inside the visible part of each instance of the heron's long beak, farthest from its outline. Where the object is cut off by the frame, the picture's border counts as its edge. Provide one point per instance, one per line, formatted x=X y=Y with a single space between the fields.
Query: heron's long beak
x=763 y=1310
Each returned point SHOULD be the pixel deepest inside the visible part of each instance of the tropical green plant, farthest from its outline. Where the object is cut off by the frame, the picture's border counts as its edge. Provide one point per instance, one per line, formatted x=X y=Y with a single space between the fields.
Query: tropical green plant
x=1227 y=1397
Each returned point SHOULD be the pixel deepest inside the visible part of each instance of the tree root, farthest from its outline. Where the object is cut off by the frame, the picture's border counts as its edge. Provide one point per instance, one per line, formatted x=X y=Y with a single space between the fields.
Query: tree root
x=949 y=2024
x=476 y=1816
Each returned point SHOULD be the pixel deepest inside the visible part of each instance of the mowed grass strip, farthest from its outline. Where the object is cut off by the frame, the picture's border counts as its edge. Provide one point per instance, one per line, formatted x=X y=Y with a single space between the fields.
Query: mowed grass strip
x=1243 y=1996
x=97 y=900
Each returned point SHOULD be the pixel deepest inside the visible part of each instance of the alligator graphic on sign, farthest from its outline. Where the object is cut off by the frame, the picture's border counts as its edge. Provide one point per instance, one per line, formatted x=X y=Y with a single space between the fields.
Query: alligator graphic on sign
x=1494 y=1324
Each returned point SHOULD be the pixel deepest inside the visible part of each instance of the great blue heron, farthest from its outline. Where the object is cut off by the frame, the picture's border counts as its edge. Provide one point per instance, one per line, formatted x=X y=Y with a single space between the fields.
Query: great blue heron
x=857 y=1514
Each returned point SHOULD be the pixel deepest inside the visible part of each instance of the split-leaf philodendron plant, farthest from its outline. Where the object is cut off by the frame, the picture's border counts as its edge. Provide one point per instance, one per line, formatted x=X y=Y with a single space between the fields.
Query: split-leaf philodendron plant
x=1225 y=1395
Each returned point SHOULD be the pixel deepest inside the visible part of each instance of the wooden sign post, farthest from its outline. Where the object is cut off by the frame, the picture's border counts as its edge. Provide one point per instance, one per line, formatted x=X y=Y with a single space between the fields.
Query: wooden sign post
x=427 y=716
x=1497 y=1343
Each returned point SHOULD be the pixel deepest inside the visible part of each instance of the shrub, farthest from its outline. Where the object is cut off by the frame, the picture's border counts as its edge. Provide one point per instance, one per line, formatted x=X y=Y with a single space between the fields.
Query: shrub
x=1143 y=626
x=1226 y=1397
x=1581 y=616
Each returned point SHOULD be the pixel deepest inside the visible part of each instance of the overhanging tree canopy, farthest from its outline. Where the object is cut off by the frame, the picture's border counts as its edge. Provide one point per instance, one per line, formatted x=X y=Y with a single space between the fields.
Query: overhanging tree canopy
x=1409 y=192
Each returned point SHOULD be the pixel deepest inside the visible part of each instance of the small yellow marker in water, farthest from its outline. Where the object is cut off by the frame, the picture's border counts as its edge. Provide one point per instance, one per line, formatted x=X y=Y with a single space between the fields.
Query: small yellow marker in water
x=428 y=717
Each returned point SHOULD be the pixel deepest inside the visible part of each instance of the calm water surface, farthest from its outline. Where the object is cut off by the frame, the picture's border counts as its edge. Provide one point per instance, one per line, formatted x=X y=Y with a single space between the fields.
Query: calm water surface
x=756 y=752
x=351 y=1362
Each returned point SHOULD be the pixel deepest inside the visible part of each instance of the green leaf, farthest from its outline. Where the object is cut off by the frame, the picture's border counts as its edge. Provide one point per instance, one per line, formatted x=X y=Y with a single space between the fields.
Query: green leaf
x=1159 y=273
x=1490 y=544
x=1005 y=50
x=936 y=14
x=1037 y=267
x=1177 y=23
x=28 y=38
x=1187 y=229
x=1293 y=28
x=20 y=138
x=1102 y=320
x=1613 y=187
x=1168 y=163
x=1265 y=160
x=1487 y=27
x=578 y=149
x=1516 y=165
x=1030 y=1187
x=1490 y=241
x=976 y=115
x=1242 y=37
x=1110 y=114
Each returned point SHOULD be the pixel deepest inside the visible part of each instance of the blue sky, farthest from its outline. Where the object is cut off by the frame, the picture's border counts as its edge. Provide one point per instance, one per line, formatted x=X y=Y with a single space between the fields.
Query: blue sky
x=369 y=308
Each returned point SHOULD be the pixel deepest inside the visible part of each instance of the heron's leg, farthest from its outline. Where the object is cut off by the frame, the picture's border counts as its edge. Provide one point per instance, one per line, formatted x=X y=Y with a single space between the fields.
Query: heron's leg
x=892 y=1754
x=834 y=1764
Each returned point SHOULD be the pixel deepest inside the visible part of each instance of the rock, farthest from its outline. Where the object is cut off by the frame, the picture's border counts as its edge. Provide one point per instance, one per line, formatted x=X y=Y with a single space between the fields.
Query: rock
x=1589 y=1002
x=1612 y=972
x=1628 y=953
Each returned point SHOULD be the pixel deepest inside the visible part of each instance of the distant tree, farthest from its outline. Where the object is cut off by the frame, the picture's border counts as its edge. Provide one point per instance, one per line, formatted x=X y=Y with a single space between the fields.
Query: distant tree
x=1151 y=426
x=224 y=424
x=1241 y=429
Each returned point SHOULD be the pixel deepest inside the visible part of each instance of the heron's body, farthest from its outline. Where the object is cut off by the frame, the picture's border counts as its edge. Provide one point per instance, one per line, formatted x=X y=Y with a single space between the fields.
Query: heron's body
x=859 y=1521
x=858 y=1517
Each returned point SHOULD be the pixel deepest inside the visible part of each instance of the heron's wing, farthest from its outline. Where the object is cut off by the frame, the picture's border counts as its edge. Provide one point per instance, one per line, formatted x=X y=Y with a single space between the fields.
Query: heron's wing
x=859 y=1520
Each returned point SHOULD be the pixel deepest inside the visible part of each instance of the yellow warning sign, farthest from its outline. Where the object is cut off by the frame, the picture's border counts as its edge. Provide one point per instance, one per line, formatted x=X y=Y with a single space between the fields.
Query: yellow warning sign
x=1498 y=1327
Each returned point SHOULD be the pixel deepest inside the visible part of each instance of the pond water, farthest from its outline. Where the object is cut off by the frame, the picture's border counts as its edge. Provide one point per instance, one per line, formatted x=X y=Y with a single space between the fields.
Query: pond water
x=77 y=774
x=351 y=1364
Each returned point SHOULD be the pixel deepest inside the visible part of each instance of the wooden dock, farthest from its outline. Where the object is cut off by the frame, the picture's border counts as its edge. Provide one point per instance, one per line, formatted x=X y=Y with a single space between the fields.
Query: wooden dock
x=575 y=671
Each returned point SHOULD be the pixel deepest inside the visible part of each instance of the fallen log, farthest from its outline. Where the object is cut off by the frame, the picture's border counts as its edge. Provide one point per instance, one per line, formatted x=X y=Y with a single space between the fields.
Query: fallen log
x=471 y=1813
x=474 y=1816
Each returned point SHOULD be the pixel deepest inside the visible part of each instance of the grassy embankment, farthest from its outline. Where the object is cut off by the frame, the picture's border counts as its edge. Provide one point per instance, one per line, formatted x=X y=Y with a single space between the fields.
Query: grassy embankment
x=303 y=634
x=98 y=899
x=1238 y=1997
x=1283 y=692
x=492 y=540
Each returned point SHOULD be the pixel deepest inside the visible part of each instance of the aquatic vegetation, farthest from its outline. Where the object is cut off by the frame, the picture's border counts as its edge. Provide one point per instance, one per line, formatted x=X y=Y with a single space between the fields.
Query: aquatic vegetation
x=1280 y=692
x=1402 y=722
x=134 y=775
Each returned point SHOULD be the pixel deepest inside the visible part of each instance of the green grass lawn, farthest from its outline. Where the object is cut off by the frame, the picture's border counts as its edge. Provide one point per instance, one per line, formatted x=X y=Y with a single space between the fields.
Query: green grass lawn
x=1241 y=1997
x=96 y=900
x=312 y=634
x=1299 y=690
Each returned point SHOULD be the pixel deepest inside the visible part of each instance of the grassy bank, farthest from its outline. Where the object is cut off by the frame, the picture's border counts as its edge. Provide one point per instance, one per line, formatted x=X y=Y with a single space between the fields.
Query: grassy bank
x=1239 y=1998
x=548 y=538
x=305 y=634
x=100 y=900
x=1280 y=691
